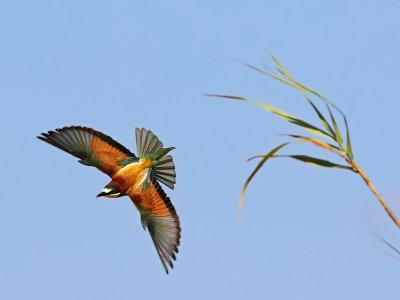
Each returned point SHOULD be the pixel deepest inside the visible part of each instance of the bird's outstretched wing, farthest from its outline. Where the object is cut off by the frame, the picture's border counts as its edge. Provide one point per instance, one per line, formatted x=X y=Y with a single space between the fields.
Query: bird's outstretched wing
x=92 y=147
x=159 y=217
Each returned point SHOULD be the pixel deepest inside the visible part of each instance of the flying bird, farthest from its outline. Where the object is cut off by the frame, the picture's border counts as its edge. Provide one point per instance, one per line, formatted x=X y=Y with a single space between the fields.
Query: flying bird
x=135 y=176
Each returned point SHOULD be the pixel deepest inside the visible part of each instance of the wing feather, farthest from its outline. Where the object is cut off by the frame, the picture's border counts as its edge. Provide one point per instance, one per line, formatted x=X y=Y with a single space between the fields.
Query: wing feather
x=92 y=147
x=160 y=218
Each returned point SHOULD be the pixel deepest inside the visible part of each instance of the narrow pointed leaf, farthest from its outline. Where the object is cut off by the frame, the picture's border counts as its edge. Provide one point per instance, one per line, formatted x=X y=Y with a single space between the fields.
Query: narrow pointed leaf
x=322 y=97
x=275 y=76
x=300 y=86
x=260 y=164
x=323 y=145
x=320 y=116
x=289 y=80
x=338 y=135
x=348 y=141
x=314 y=141
x=227 y=96
x=282 y=69
x=306 y=140
x=318 y=162
x=294 y=120
x=311 y=128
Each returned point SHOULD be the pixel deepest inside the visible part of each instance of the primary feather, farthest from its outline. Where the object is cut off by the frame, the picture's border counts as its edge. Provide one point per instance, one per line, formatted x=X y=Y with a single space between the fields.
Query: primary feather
x=92 y=147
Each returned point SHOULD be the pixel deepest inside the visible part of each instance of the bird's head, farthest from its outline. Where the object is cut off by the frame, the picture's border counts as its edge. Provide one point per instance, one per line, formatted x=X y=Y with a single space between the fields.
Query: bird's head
x=110 y=191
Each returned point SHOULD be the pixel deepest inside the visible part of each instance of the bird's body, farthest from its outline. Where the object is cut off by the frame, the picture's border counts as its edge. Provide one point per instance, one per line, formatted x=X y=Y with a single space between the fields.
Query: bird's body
x=131 y=177
x=134 y=176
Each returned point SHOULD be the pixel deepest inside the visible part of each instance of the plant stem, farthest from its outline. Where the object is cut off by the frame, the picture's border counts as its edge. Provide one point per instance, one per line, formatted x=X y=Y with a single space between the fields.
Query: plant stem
x=375 y=192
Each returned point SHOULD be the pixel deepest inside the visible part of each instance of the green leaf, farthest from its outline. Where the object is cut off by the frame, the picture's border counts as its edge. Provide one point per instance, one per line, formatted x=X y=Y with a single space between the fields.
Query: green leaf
x=275 y=76
x=318 y=162
x=348 y=141
x=260 y=164
x=292 y=82
x=294 y=120
x=320 y=116
x=311 y=128
x=338 y=135
x=282 y=69
x=301 y=86
x=289 y=80
x=322 y=97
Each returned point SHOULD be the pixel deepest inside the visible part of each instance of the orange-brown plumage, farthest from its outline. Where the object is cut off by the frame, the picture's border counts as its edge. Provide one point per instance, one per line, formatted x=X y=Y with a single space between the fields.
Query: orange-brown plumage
x=151 y=200
x=134 y=176
x=109 y=156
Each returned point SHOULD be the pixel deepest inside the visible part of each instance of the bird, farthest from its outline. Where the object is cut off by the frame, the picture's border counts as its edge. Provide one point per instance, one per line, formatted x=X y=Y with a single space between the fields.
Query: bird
x=138 y=177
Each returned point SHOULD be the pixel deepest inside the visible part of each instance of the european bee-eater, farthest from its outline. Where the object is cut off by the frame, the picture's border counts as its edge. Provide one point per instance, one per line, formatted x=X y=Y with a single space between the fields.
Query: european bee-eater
x=131 y=175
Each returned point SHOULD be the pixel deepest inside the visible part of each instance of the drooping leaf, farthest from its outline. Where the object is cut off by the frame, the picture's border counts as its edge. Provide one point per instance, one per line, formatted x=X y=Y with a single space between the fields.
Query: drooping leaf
x=307 y=126
x=286 y=116
x=260 y=164
x=318 y=162
x=289 y=80
x=292 y=82
x=275 y=76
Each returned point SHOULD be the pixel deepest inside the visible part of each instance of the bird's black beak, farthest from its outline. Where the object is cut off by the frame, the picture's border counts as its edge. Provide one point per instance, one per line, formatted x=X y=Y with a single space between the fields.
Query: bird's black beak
x=101 y=194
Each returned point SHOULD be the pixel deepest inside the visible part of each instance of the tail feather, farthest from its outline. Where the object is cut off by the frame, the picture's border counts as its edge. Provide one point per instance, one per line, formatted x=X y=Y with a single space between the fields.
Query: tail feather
x=148 y=145
x=147 y=142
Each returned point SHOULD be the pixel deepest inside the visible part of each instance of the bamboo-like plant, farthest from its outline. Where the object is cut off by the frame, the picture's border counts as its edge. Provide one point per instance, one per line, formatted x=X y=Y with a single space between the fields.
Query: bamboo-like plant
x=329 y=130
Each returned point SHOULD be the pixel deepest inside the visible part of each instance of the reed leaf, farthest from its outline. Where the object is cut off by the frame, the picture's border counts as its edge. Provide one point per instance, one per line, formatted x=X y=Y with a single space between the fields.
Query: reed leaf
x=320 y=116
x=317 y=161
x=322 y=145
x=307 y=126
x=258 y=167
x=332 y=132
x=284 y=115
x=338 y=135
x=348 y=141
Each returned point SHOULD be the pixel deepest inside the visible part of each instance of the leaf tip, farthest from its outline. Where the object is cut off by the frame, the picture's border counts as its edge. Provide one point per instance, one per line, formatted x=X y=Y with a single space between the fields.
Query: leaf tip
x=226 y=96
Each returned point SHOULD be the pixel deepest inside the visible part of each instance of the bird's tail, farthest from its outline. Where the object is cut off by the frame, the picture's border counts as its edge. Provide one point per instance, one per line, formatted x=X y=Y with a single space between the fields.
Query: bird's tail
x=149 y=146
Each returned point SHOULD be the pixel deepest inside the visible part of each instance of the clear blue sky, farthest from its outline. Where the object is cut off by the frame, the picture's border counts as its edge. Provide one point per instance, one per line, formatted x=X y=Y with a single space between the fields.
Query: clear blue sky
x=304 y=231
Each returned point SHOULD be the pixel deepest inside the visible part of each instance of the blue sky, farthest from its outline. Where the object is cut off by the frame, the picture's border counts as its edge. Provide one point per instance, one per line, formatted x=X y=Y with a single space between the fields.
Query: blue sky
x=304 y=232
